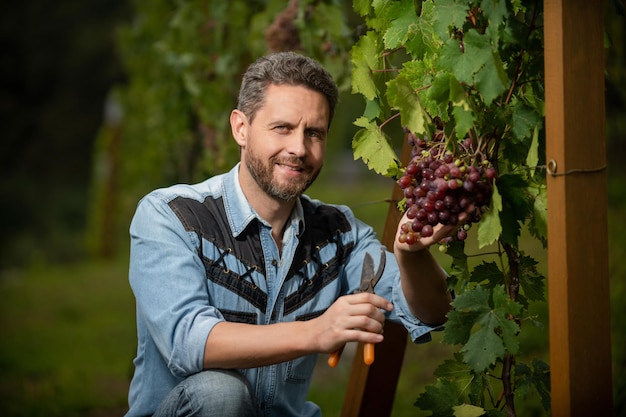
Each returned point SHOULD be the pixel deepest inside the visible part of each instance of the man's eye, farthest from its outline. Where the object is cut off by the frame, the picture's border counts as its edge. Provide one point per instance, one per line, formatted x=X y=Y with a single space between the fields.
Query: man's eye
x=316 y=134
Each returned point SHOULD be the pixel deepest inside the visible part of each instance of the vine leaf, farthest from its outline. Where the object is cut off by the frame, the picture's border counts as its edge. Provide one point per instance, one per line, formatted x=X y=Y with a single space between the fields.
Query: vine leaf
x=533 y=152
x=449 y=13
x=422 y=41
x=439 y=398
x=487 y=274
x=516 y=206
x=362 y=7
x=538 y=225
x=537 y=377
x=372 y=146
x=491 y=79
x=403 y=97
x=462 y=109
x=468 y=410
x=467 y=61
x=531 y=281
x=459 y=269
x=491 y=332
x=399 y=28
x=490 y=228
x=497 y=12
x=365 y=55
x=524 y=119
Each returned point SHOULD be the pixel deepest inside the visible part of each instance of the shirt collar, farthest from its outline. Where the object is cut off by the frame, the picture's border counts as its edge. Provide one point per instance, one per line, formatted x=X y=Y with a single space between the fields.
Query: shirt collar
x=240 y=213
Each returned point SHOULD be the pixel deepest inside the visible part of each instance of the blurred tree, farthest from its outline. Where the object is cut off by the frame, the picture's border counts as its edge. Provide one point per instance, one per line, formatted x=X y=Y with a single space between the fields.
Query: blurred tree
x=616 y=83
x=184 y=62
x=56 y=67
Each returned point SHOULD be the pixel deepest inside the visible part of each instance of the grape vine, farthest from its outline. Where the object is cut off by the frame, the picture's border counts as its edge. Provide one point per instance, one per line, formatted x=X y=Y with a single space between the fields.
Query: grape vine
x=465 y=80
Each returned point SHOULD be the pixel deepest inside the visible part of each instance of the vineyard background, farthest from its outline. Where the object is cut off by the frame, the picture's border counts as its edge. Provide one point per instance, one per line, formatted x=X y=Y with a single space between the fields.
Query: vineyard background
x=67 y=315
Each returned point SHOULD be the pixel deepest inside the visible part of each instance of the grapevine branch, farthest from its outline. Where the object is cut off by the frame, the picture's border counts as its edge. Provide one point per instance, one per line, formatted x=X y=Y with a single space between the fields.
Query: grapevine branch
x=509 y=360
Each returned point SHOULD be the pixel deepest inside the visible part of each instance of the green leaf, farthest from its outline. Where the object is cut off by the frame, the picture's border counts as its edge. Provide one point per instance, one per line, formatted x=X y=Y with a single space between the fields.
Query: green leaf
x=496 y=12
x=536 y=378
x=399 y=27
x=468 y=410
x=484 y=346
x=462 y=110
x=439 y=398
x=531 y=281
x=465 y=63
x=421 y=40
x=516 y=206
x=449 y=14
x=489 y=227
x=459 y=269
x=459 y=326
x=538 y=225
x=492 y=333
x=362 y=7
x=533 y=153
x=468 y=308
x=524 y=120
x=491 y=79
x=365 y=57
x=403 y=97
x=455 y=369
x=470 y=385
x=488 y=272
x=454 y=61
x=372 y=109
x=373 y=147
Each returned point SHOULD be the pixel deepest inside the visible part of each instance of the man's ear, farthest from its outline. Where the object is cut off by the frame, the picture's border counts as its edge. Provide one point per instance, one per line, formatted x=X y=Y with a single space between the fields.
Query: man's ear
x=239 y=126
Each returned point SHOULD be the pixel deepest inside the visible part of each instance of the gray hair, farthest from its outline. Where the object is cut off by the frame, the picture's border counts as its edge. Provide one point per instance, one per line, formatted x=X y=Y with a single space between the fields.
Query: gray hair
x=284 y=68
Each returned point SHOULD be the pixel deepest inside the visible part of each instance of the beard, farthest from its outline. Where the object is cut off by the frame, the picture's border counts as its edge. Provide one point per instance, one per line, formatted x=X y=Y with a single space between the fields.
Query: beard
x=263 y=175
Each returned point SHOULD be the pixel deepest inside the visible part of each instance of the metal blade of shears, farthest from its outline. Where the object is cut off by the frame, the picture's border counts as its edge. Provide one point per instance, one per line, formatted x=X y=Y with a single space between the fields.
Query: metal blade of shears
x=369 y=278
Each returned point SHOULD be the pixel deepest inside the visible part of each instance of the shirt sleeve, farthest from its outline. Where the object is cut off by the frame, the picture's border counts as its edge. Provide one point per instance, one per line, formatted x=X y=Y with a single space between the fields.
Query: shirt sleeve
x=169 y=283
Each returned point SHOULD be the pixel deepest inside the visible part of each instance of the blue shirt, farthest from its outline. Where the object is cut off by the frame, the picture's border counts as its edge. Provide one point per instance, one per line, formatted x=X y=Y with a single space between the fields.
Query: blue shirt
x=201 y=255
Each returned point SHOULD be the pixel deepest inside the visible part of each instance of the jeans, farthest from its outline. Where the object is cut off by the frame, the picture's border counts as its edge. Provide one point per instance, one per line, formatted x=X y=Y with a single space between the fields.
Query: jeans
x=212 y=393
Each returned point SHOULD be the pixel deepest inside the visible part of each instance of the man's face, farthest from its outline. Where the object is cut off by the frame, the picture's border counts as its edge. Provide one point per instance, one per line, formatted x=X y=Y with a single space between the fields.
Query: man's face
x=285 y=144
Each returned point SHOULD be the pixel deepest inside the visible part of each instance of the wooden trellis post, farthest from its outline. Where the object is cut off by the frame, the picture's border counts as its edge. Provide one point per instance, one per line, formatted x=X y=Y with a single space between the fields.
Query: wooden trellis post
x=371 y=389
x=578 y=278
x=578 y=281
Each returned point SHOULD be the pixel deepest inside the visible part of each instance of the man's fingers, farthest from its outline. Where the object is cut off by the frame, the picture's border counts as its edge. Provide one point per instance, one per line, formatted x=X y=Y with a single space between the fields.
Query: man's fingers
x=370 y=298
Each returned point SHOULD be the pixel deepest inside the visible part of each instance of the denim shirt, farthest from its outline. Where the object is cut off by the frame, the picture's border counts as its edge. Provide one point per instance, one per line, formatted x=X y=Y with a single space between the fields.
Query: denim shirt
x=201 y=255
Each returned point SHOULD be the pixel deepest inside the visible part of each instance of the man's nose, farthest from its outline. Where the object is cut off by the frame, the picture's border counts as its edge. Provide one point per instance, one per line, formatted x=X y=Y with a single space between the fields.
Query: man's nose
x=297 y=144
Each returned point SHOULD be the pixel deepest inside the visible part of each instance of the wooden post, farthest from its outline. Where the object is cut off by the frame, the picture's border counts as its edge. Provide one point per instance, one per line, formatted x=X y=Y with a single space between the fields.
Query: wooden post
x=371 y=389
x=580 y=350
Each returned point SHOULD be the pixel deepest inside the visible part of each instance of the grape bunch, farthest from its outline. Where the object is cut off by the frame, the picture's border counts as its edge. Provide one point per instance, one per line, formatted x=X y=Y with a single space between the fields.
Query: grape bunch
x=440 y=184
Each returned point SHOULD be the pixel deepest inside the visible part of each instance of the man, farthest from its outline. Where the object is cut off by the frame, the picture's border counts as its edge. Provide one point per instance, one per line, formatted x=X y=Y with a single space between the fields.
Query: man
x=241 y=280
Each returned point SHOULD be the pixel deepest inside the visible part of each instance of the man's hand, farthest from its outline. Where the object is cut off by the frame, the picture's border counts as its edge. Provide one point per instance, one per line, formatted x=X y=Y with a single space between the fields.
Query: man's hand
x=439 y=232
x=355 y=317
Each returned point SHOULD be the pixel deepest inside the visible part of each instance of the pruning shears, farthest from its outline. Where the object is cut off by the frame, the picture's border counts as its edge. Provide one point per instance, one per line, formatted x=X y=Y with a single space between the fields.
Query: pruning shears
x=369 y=279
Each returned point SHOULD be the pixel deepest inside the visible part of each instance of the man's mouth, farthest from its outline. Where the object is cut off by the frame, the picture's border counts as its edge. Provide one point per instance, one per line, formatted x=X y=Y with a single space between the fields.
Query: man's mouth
x=290 y=166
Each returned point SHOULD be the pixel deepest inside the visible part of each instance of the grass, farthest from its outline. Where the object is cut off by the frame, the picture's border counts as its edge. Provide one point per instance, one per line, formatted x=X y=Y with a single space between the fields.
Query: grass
x=68 y=331
x=67 y=340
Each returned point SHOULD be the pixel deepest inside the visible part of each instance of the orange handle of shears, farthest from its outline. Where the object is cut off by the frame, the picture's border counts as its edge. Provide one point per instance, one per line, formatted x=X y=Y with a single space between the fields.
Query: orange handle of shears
x=368 y=355
x=333 y=359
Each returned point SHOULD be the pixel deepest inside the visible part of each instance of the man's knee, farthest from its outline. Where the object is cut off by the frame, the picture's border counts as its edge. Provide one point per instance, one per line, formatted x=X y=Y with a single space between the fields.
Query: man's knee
x=212 y=393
